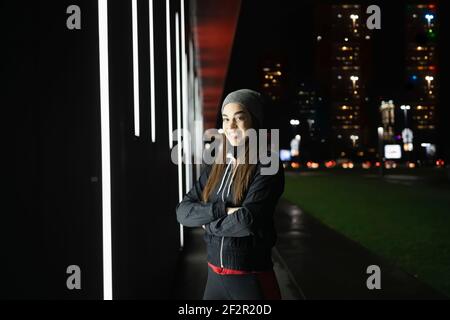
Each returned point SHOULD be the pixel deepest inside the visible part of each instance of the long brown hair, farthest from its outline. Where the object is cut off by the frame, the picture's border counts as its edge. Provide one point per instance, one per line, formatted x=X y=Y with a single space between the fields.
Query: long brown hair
x=241 y=179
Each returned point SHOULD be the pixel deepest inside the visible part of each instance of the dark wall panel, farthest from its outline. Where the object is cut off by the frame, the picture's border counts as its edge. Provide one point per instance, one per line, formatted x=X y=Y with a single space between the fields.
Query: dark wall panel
x=52 y=91
x=54 y=217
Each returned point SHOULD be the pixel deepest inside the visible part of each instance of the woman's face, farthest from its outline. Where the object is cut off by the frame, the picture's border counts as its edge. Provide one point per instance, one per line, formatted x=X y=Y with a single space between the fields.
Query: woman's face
x=235 y=122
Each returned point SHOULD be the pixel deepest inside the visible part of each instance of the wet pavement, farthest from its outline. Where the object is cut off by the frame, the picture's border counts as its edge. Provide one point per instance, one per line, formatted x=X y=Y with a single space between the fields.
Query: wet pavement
x=327 y=265
x=311 y=262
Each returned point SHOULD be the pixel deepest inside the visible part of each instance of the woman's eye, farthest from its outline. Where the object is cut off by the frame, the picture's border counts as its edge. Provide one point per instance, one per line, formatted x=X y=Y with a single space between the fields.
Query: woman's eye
x=225 y=120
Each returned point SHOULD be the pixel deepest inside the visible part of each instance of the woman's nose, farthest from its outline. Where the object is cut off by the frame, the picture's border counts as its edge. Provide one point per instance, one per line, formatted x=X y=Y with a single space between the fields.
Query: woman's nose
x=233 y=124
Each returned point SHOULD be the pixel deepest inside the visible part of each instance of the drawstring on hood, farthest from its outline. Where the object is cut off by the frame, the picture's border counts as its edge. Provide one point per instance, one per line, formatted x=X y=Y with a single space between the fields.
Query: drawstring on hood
x=227 y=176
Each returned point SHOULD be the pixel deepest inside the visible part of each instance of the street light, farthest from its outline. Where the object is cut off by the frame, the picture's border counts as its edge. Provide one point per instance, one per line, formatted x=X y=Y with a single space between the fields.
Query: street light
x=354 y=17
x=406 y=133
x=354 y=138
x=294 y=123
x=429 y=17
x=405 y=109
x=429 y=79
x=380 y=148
x=354 y=79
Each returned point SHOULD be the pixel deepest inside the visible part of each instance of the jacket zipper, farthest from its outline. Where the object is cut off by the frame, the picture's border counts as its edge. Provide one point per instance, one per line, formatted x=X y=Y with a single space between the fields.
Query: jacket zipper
x=223 y=192
x=221 y=254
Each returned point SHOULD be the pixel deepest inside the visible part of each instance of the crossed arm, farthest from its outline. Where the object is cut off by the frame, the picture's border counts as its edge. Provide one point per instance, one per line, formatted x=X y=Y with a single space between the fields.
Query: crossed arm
x=230 y=210
x=219 y=220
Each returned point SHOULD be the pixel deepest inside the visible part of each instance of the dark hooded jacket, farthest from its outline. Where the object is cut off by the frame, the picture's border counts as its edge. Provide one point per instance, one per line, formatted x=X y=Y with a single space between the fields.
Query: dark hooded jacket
x=244 y=239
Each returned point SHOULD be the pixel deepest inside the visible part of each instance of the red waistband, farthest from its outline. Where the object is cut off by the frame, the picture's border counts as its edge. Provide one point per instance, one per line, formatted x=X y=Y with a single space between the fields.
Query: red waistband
x=220 y=270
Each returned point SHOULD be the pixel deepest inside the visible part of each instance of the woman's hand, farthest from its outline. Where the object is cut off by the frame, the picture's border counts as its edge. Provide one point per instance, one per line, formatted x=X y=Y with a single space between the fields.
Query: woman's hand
x=231 y=210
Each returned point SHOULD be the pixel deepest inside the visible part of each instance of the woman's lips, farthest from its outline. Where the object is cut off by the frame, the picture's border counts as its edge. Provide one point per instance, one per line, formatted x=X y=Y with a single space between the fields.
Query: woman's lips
x=234 y=135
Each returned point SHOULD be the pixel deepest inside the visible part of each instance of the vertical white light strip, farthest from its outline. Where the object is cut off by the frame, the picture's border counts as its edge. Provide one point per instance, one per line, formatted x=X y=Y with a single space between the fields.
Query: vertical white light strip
x=186 y=145
x=106 y=170
x=152 y=70
x=196 y=128
x=169 y=74
x=135 y=68
x=199 y=128
x=180 y=169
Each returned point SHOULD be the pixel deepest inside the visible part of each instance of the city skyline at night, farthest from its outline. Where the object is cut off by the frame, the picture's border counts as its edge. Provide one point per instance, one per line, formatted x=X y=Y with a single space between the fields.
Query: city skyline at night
x=355 y=71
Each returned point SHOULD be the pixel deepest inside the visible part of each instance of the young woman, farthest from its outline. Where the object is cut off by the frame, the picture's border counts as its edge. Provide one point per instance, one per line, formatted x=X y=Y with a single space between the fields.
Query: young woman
x=235 y=203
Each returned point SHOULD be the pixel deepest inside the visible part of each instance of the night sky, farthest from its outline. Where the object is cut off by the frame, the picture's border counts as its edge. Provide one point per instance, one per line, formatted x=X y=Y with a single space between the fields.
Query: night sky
x=285 y=30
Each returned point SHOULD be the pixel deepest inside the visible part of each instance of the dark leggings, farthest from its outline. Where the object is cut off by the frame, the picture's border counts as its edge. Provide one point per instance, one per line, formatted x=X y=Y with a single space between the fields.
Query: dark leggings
x=254 y=286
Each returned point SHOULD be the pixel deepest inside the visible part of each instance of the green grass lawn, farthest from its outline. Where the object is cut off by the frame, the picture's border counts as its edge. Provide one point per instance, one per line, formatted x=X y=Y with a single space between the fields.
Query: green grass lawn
x=408 y=225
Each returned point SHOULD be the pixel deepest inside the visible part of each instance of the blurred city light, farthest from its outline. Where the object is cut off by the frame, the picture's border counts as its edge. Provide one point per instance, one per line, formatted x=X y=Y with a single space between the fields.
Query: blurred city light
x=389 y=164
x=354 y=138
x=440 y=163
x=354 y=17
x=330 y=164
x=429 y=17
x=285 y=155
x=295 y=165
x=429 y=79
x=312 y=165
x=348 y=165
x=411 y=165
x=366 y=165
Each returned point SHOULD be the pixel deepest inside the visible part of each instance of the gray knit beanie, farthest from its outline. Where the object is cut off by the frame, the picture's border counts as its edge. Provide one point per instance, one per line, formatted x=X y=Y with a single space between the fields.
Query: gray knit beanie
x=249 y=99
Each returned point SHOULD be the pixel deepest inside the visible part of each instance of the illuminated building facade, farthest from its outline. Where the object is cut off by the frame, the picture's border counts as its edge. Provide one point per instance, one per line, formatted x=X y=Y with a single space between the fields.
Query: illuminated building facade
x=307 y=104
x=421 y=73
x=341 y=68
x=272 y=79
x=387 y=110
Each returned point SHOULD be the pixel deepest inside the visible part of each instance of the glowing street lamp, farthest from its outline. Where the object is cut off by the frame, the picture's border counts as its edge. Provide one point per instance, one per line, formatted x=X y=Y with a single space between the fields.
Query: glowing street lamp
x=294 y=123
x=354 y=79
x=429 y=17
x=429 y=79
x=380 y=148
x=354 y=17
x=405 y=109
x=354 y=138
